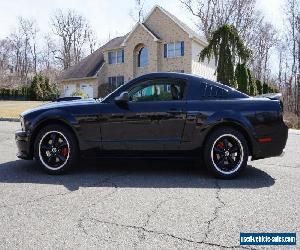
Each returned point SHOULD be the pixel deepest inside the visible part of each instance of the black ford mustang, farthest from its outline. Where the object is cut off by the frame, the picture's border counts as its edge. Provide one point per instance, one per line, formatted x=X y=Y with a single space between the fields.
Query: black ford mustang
x=158 y=114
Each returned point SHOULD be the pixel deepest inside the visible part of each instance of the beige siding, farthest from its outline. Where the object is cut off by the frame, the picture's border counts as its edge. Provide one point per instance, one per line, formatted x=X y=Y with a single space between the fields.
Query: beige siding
x=111 y=69
x=204 y=69
x=168 y=31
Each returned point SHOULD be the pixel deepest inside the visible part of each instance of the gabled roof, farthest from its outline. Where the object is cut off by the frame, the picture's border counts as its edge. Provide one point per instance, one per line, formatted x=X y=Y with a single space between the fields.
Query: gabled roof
x=183 y=26
x=138 y=24
x=90 y=65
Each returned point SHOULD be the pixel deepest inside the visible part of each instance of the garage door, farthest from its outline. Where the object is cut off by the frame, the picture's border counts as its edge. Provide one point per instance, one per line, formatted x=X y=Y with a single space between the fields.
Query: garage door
x=87 y=89
x=69 y=89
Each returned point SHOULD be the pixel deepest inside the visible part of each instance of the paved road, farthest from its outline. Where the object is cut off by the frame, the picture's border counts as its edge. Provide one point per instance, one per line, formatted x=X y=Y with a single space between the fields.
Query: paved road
x=144 y=205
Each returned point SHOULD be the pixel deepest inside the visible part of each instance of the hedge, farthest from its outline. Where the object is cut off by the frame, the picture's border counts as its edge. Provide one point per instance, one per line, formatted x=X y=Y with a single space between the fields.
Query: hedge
x=15 y=94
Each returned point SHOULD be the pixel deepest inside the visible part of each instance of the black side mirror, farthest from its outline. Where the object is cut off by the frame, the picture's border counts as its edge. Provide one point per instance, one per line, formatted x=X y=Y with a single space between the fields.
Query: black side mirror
x=122 y=98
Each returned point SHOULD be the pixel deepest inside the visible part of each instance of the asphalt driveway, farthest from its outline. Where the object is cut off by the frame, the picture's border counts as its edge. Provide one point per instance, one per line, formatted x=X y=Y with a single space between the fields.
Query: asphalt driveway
x=138 y=204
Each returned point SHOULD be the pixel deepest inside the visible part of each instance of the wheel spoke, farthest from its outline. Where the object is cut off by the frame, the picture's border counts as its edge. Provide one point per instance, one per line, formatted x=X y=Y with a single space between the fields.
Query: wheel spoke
x=54 y=138
x=221 y=160
x=233 y=149
x=226 y=143
x=231 y=161
x=46 y=147
x=61 y=158
x=62 y=145
x=51 y=158
x=218 y=151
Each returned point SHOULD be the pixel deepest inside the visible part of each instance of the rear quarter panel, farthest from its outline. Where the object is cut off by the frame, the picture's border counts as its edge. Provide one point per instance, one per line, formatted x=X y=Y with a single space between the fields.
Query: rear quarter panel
x=257 y=117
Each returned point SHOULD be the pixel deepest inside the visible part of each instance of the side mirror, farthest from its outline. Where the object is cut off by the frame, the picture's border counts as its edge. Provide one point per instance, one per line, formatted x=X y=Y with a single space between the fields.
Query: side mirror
x=122 y=98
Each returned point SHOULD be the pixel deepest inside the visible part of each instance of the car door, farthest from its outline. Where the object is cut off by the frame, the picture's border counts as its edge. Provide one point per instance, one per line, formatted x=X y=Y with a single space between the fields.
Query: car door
x=153 y=119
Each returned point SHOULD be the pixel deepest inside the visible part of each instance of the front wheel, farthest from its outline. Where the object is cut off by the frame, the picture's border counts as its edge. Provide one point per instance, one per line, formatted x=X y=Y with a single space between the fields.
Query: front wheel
x=55 y=149
x=226 y=153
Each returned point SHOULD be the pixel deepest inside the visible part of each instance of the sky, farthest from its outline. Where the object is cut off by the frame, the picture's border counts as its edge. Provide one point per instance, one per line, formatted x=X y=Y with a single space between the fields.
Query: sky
x=108 y=18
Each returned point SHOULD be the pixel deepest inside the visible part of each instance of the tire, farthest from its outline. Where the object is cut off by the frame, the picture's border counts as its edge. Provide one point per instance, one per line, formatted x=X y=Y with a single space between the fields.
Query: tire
x=226 y=153
x=56 y=149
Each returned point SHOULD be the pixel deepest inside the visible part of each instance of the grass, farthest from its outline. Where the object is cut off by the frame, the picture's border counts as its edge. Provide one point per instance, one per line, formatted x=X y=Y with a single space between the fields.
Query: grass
x=291 y=120
x=12 y=109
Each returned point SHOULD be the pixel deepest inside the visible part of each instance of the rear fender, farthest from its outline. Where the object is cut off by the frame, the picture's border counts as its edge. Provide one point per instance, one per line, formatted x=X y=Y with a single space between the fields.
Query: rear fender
x=230 y=118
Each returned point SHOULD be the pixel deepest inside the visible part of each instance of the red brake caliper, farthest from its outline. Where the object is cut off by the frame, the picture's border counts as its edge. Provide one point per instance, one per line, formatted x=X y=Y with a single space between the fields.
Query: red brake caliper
x=65 y=152
x=220 y=145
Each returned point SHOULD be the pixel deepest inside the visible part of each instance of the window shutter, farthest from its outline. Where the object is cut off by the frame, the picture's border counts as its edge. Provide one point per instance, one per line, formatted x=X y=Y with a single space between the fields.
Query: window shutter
x=165 y=50
x=122 y=56
x=182 y=48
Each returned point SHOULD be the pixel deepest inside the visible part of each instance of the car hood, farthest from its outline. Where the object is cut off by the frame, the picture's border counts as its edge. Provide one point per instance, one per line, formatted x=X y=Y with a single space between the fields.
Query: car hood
x=61 y=104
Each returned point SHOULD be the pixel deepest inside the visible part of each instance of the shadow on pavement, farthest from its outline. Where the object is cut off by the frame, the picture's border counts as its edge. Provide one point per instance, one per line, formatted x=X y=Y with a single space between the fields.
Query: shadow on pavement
x=133 y=174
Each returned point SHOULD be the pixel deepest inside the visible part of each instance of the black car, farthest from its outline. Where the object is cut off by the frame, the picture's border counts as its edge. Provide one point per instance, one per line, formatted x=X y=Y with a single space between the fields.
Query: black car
x=158 y=114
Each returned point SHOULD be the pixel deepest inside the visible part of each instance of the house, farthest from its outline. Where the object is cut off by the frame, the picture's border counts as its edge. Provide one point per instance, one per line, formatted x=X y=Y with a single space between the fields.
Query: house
x=161 y=43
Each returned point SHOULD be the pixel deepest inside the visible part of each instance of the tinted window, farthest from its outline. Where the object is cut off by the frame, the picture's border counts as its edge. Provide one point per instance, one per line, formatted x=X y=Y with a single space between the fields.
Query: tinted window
x=204 y=90
x=157 y=90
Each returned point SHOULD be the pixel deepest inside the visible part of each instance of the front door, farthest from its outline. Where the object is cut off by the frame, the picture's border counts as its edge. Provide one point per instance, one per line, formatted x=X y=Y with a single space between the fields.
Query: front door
x=153 y=119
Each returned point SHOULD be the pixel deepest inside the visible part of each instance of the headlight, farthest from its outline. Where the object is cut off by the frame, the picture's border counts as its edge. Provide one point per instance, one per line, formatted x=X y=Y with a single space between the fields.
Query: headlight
x=22 y=123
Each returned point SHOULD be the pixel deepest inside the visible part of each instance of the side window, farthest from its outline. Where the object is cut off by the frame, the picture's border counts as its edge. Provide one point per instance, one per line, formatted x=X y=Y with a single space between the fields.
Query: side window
x=158 y=90
x=204 y=90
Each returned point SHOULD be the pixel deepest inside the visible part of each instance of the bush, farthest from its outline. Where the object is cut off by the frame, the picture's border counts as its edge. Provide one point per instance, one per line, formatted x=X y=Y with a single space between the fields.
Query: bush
x=252 y=84
x=242 y=78
x=42 y=90
x=291 y=120
x=21 y=93
x=265 y=88
x=258 y=87
x=80 y=93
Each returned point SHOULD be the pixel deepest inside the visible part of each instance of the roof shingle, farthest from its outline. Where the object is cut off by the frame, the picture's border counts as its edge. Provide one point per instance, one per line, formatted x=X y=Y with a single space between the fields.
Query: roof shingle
x=90 y=65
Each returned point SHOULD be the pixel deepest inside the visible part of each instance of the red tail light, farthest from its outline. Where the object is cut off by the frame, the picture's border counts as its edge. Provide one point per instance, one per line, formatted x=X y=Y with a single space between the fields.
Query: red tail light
x=265 y=139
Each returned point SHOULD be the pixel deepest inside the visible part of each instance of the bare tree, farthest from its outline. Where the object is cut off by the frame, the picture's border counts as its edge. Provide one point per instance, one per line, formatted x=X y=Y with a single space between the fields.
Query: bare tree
x=292 y=40
x=212 y=14
x=71 y=29
x=92 y=40
x=137 y=13
x=262 y=39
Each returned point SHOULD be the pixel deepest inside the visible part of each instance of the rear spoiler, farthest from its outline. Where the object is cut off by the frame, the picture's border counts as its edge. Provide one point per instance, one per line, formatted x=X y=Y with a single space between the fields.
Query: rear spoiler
x=70 y=98
x=272 y=96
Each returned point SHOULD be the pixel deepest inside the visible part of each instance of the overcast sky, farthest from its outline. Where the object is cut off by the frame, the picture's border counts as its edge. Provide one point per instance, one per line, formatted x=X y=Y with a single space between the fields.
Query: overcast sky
x=106 y=16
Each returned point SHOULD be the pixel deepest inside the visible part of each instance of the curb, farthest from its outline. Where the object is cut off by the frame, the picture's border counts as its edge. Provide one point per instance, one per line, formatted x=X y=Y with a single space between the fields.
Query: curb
x=294 y=131
x=9 y=119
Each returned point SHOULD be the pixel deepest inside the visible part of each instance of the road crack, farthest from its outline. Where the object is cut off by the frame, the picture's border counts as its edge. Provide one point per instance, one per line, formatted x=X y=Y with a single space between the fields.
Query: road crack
x=105 y=180
x=150 y=231
x=216 y=212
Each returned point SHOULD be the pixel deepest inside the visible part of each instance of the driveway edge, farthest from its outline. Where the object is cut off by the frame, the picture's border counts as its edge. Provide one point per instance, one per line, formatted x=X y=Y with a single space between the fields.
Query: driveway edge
x=9 y=119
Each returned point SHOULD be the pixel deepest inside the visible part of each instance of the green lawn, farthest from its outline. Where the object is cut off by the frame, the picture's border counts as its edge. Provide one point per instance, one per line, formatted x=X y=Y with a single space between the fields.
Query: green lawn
x=12 y=109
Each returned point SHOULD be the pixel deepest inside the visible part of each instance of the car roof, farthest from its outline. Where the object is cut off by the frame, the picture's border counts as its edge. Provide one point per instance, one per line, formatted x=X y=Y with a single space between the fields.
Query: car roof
x=193 y=79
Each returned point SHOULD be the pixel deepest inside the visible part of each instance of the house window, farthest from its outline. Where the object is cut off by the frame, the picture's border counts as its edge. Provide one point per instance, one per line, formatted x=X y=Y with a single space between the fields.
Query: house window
x=115 y=81
x=174 y=49
x=143 y=57
x=115 y=57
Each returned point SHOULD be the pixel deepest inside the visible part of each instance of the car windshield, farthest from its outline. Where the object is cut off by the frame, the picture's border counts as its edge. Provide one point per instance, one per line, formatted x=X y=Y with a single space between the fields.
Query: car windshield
x=110 y=94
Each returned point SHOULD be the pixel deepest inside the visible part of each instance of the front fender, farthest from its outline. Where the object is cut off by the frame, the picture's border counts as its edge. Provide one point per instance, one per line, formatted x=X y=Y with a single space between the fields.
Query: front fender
x=56 y=115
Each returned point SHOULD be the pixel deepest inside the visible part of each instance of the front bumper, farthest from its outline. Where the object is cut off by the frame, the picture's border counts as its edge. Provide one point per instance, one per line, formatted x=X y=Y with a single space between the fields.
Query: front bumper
x=23 y=144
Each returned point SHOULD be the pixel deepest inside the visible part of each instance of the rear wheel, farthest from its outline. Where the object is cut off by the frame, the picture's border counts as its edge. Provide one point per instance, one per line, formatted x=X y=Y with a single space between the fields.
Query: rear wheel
x=226 y=153
x=55 y=149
